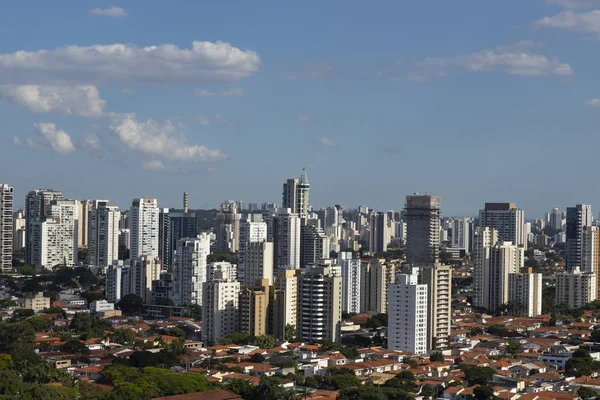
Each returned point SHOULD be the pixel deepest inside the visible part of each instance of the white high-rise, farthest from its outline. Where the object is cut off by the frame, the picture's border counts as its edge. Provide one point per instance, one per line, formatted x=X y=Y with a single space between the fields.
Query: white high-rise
x=189 y=271
x=350 y=282
x=507 y=220
x=525 y=294
x=407 y=310
x=6 y=227
x=19 y=230
x=252 y=230
x=505 y=259
x=461 y=234
x=484 y=238
x=132 y=277
x=578 y=218
x=575 y=288
x=144 y=231
x=53 y=238
x=287 y=240
x=220 y=309
x=103 y=235
x=438 y=279
x=286 y=301
x=295 y=195
x=259 y=263
x=36 y=204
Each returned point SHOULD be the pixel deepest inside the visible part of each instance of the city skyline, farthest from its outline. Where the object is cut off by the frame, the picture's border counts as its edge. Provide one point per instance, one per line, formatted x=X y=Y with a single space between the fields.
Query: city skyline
x=247 y=109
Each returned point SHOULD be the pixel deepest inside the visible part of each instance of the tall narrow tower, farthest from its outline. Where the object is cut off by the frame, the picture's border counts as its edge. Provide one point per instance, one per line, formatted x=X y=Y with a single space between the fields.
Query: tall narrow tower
x=6 y=227
x=423 y=230
x=295 y=195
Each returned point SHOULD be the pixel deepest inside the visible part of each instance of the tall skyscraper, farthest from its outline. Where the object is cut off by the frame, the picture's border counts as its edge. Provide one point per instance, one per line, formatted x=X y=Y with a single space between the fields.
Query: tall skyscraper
x=578 y=218
x=6 y=227
x=321 y=300
x=314 y=243
x=183 y=224
x=258 y=263
x=134 y=276
x=19 y=230
x=103 y=236
x=351 y=283
x=83 y=210
x=556 y=219
x=254 y=308
x=505 y=259
x=227 y=227
x=220 y=309
x=407 y=327
x=295 y=195
x=189 y=271
x=461 y=234
x=507 y=220
x=439 y=284
x=286 y=232
x=165 y=252
x=375 y=280
x=35 y=212
x=144 y=216
x=252 y=230
x=422 y=216
x=379 y=232
x=484 y=238
x=285 y=302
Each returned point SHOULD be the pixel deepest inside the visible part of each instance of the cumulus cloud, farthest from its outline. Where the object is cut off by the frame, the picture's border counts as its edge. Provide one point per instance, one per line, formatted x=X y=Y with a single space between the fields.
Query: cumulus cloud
x=91 y=141
x=166 y=63
x=58 y=139
x=155 y=165
x=593 y=102
x=161 y=140
x=233 y=92
x=586 y=22
x=514 y=59
x=571 y=4
x=82 y=100
x=325 y=141
x=113 y=11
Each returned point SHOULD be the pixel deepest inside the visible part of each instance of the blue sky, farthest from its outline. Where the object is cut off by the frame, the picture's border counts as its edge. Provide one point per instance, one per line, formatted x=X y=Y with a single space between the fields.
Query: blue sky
x=474 y=101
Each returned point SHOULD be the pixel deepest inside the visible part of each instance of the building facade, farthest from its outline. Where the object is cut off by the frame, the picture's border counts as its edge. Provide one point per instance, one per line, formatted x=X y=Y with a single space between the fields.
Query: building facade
x=321 y=303
x=507 y=220
x=422 y=216
x=351 y=282
x=144 y=228
x=189 y=271
x=6 y=227
x=103 y=236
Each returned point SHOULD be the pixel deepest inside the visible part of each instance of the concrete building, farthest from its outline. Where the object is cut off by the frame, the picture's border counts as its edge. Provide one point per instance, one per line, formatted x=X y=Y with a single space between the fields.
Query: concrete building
x=578 y=218
x=375 y=279
x=38 y=302
x=227 y=228
x=19 y=230
x=189 y=270
x=575 y=288
x=165 y=252
x=220 y=309
x=380 y=234
x=135 y=276
x=35 y=212
x=484 y=238
x=422 y=216
x=125 y=238
x=222 y=269
x=351 y=282
x=252 y=230
x=407 y=310
x=83 y=211
x=254 y=308
x=53 y=238
x=285 y=302
x=321 y=303
x=438 y=279
x=314 y=243
x=556 y=219
x=99 y=306
x=295 y=195
x=183 y=224
x=525 y=294
x=505 y=259
x=507 y=220
x=461 y=234
x=143 y=221
x=6 y=227
x=103 y=236
x=286 y=233
x=259 y=263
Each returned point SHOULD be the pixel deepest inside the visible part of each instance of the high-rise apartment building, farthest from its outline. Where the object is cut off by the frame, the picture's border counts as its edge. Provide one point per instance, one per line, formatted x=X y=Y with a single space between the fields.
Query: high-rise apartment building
x=258 y=263
x=507 y=220
x=575 y=288
x=484 y=238
x=286 y=233
x=439 y=289
x=6 y=227
x=461 y=234
x=35 y=212
x=189 y=269
x=422 y=216
x=525 y=294
x=314 y=243
x=578 y=218
x=252 y=230
x=103 y=235
x=221 y=270
x=254 y=308
x=135 y=276
x=351 y=282
x=379 y=232
x=83 y=210
x=19 y=230
x=285 y=302
x=183 y=224
x=144 y=216
x=165 y=252
x=295 y=195
x=556 y=219
x=505 y=259
x=220 y=309
x=227 y=228
x=407 y=311
x=321 y=303
x=375 y=279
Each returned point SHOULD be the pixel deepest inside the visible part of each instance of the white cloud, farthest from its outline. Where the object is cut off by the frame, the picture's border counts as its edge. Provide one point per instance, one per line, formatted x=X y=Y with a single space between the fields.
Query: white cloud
x=161 y=140
x=91 y=141
x=571 y=4
x=593 y=102
x=302 y=118
x=82 y=100
x=514 y=59
x=325 y=141
x=587 y=22
x=165 y=63
x=109 y=12
x=155 y=165
x=58 y=139
x=233 y=92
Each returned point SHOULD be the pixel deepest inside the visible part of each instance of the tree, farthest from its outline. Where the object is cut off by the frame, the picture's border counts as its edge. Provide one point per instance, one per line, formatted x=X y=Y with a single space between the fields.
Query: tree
x=124 y=337
x=436 y=356
x=512 y=348
x=412 y=363
x=131 y=304
x=21 y=313
x=484 y=393
x=427 y=392
x=196 y=312
x=343 y=380
x=581 y=363
x=74 y=346
x=587 y=393
x=290 y=333
x=445 y=257
x=406 y=376
x=264 y=341
x=477 y=375
x=38 y=323
x=257 y=358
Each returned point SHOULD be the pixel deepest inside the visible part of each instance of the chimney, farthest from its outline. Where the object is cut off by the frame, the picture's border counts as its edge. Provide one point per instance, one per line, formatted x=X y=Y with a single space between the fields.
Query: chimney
x=185 y=202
